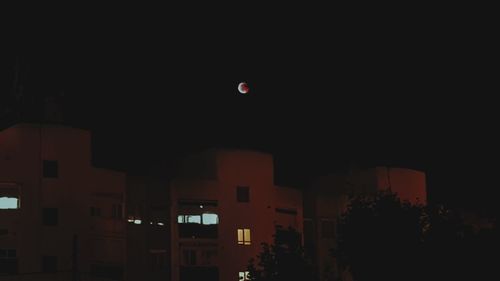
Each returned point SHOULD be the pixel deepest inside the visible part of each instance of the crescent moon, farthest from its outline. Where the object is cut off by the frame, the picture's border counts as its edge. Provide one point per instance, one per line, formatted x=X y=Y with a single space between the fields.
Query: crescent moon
x=243 y=88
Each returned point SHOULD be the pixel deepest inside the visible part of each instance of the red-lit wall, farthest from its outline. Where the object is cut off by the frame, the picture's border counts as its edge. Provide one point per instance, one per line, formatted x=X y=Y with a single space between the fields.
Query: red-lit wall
x=77 y=187
x=237 y=168
x=410 y=185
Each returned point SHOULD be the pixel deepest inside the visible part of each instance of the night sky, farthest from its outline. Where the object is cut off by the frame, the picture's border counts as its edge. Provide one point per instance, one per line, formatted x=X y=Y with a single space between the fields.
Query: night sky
x=324 y=91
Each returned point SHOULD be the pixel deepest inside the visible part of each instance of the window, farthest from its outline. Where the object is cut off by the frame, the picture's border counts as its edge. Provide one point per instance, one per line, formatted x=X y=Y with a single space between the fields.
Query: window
x=189 y=258
x=8 y=261
x=205 y=219
x=9 y=196
x=50 y=169
x=134 y=220
x=243 y=276
x=189 y=219
x=243 y=194
x=208 y=257
x=209 y=219
x=49 y=264
x=95 y=212
x=327 y=229
x=4 y=231
x=244 y=236
x=116 y=211
x=198 y=226
x=158 y=259
x=9 y=203
x=8 y=253
x=50 y=216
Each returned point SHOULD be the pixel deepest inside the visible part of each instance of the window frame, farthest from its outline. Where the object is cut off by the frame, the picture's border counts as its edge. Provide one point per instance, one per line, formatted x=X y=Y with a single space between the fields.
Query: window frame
x=244 y=236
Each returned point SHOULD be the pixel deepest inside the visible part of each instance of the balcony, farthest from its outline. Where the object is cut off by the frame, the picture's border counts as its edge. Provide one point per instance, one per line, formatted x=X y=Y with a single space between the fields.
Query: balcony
x=195 y=230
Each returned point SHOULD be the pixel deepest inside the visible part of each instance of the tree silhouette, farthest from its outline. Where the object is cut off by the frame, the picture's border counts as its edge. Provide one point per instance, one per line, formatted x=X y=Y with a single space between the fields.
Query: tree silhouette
x=382 y=238
x=283 y=260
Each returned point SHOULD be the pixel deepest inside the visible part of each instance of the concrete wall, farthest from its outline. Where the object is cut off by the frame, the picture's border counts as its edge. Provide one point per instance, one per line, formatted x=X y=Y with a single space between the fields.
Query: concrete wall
x=236 y=168
x=77 y=187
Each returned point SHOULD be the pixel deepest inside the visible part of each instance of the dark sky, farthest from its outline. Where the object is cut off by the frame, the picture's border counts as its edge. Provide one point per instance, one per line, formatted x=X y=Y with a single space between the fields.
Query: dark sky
x=324 y=90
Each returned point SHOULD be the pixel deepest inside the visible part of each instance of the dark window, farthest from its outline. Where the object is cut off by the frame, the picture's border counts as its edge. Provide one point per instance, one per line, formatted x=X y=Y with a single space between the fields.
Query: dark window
x=12 y=253
x=189 y=257
x=8 y=253
x=8 y=262
x=95 y=212
x=50 y=216
x=49 y=264
x=327 y=229
x=158 y=261
x=4 y=231
x=243 y=194
x=209 y=256
x=50 y=169
x=116 y=211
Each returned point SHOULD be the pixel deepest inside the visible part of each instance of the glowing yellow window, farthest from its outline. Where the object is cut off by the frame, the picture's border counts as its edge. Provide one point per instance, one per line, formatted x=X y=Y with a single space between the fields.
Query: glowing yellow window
x=244 y=237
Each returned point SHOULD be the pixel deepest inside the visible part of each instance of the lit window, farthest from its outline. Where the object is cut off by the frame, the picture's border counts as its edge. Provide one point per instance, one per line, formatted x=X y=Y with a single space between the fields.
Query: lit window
x=243 y=276
x=244 y=237
x=189 y=219
x=9 y=196
x=9 y=203
x=243 y=194
x=193 y=219
x=209 y=219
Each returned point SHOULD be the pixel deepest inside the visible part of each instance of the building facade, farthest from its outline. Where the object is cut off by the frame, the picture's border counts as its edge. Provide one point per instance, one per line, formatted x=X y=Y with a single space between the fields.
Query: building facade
x=223 y=207
x=59 y=215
